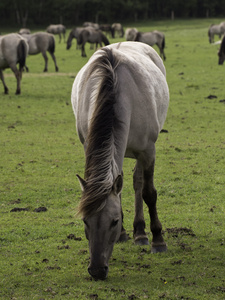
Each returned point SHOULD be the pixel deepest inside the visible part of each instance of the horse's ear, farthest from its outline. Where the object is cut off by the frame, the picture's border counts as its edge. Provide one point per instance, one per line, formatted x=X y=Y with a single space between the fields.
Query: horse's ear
x=82 y=182
x=118 y=184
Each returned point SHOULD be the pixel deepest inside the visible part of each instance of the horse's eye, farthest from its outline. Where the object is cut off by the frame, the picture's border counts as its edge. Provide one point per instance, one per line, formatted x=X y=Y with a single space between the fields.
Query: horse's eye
x=114 y=223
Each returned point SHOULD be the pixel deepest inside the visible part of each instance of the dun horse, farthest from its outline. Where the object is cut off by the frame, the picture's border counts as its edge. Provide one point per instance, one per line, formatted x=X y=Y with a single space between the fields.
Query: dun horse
x=130 y=34
x=216 y=30
x=117 y=27
x=13 y=50
x=41 y=42
x=91 y=35
x=152 y=38
x=120 y=100
x=57 y=29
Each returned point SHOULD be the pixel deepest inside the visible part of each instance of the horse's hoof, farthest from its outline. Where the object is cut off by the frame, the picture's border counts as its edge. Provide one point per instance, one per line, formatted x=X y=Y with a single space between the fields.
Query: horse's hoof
x=157 y=248
x=123 y=237
x=141 y=241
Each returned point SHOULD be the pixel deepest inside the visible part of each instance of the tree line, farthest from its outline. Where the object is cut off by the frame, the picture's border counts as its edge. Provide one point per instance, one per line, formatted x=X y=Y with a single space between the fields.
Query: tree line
x=25 y=13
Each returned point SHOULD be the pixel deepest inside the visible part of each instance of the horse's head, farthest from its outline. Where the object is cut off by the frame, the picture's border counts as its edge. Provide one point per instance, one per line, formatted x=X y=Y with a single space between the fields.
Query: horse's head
x=102 y=229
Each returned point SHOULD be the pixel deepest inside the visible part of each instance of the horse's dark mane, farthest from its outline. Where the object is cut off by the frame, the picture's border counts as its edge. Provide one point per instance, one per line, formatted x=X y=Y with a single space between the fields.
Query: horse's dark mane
x=100 y=140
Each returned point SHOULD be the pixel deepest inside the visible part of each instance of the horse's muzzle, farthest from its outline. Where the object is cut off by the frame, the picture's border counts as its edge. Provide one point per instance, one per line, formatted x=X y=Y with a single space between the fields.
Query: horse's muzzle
x=99 y=273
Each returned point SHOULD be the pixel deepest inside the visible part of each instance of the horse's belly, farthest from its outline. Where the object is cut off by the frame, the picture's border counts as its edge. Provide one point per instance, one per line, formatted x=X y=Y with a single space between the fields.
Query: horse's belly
x=3 y=62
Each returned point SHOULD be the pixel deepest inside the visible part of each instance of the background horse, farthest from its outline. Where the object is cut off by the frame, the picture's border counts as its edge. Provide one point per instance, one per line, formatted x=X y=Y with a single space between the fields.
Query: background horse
x=57 y=29
x=91 y=24
x=130 y=34
x=216 y=30
x=120 y=100
x=41 y=42
x=24 y=31
x=13 y=50
x=74 y=33
x=107 y=28
x=221 y=52
x=91 y=35
x=117 y=27
x=152 y=38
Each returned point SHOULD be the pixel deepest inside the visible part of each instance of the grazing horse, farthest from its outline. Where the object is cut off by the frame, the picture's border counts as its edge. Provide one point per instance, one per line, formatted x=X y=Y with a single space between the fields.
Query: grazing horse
x=152 y=38
x=221 y=52
x=41 y=42
x=120 y=100
x=107 y=28
x=117 y=27
x=130 y=34
x=216 y=30
x=74 y=33
x=13 y=50
x=91 y=35
x=57 y=29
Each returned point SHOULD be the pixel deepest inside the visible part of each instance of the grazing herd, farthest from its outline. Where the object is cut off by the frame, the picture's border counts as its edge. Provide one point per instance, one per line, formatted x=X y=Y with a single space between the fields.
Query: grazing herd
x=12 y=45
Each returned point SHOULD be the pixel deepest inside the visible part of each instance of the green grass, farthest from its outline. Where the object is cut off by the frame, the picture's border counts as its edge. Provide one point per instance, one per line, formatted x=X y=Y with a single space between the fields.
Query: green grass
x=41 y=154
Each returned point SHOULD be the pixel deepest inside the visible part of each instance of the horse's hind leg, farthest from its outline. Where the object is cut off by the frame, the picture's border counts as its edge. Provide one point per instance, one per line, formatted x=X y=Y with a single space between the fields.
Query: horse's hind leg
x=18 y=75
x=46 y=61
x=150 y=197
x=140 y=237
x=123 y=235
x=3 y=81
x=54 y=59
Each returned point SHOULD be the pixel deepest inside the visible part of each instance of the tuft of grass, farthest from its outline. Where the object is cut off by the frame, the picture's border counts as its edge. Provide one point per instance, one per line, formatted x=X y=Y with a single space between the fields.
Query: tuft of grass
x=44 y=253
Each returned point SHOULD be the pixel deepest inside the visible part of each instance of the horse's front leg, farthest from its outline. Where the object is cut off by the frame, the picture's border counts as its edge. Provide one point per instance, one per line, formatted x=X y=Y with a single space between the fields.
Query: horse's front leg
x=83 y=51
x=140 y=237
x=150 y=197
x=6 y=90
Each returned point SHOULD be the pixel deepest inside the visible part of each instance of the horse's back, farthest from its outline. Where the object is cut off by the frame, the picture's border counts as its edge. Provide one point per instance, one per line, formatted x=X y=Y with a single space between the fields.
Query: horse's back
x=142 y=93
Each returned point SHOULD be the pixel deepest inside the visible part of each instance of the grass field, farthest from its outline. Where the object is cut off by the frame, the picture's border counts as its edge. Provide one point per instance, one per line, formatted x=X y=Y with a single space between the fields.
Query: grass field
x=43 y=249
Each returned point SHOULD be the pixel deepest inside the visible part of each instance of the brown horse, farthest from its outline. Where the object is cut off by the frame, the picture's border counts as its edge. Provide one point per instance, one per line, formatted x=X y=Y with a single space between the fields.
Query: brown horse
x=13 y=50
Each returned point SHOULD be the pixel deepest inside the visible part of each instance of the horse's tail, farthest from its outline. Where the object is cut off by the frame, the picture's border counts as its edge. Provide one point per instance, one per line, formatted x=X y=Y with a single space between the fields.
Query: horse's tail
x=137 y=37
x=22 y=54
x=51 y=46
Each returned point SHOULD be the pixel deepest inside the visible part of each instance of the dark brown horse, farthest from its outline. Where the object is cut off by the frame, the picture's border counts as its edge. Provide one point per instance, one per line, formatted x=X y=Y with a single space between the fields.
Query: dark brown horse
x=13 y=50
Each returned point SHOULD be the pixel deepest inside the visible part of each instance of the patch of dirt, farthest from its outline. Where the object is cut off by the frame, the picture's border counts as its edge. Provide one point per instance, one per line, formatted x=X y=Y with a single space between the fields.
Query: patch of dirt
x=175 y=232
x=40 y=209
x=18 y=209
